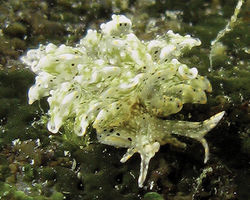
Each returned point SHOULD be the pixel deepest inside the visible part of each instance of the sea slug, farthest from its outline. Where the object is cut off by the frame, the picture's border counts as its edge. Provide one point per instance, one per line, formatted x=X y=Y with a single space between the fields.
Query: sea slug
x=123 y=87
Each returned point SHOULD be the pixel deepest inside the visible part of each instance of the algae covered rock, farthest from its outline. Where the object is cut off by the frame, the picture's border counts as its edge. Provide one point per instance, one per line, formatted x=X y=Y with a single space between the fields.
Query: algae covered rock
x=122 y=86
x=152 y=196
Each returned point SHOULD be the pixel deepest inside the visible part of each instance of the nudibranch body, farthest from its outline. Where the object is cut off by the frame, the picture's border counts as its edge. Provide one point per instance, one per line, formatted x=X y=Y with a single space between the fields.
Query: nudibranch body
x=123 y=87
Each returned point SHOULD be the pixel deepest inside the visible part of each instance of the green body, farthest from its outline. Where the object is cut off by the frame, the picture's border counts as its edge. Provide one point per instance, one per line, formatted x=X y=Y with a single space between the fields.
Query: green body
x=122 y=86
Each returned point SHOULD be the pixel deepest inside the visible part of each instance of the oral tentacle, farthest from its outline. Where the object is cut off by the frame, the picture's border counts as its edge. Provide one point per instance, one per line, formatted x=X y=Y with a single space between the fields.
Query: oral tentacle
x=146 y=153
